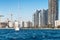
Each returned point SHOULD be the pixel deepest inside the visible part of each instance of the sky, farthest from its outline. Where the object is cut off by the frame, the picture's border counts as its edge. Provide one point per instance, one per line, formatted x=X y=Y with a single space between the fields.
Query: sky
x=22 y=9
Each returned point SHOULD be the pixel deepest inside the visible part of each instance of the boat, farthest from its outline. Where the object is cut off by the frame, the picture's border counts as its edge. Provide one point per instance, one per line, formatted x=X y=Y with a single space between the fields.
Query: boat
x=16 y=26
x=17 y=29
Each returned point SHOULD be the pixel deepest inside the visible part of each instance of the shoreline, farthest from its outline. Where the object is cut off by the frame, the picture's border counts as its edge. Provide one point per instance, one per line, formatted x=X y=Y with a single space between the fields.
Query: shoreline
x=34 y=28
x=42 y=28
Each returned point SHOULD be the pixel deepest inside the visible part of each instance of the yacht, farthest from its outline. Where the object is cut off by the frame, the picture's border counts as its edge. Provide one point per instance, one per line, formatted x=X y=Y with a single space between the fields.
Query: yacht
x=16 y=25
x=17 y=29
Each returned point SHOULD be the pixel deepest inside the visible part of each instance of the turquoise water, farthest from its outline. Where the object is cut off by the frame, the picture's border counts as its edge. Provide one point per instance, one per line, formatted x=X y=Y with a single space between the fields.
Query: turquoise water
x=29 y=34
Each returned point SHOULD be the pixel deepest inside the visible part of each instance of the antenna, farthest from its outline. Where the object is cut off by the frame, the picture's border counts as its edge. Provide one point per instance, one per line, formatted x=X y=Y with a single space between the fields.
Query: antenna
x=11 y=15
x=18 y=12
x=19 y=8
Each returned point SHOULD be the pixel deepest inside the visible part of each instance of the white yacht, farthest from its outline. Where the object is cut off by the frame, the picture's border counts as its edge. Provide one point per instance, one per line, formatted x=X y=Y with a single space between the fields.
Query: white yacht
x=16 y=25
x=17 y=29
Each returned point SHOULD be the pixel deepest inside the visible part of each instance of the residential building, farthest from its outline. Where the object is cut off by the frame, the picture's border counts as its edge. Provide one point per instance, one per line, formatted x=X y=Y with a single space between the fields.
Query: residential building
x=52 y=12
x=36 y=18
x=43 y=18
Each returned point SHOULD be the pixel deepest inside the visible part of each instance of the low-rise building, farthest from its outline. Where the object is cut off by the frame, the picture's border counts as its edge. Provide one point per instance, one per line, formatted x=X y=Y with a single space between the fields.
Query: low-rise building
x=10 y=24
x=57 y=24
x=24 y=24
x=29 y=24
x=3 y=24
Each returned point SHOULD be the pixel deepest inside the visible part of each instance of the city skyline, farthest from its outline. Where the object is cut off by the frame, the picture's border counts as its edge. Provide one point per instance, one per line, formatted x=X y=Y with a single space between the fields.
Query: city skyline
x=25 y=10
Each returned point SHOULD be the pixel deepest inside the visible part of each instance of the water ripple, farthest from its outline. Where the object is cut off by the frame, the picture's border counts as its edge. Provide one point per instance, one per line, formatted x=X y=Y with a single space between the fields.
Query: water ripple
x=29 y=34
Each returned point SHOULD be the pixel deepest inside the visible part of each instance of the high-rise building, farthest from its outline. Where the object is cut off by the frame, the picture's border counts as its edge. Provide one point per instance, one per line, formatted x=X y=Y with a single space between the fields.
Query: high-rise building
x=52 y=12
x=43 y=18
x=22 y=24
x=36 y=18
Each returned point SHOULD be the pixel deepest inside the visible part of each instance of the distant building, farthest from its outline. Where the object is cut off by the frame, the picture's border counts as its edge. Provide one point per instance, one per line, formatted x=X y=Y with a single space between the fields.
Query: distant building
x=52 y=12
x=29 y=24
x=16 y=24
x=3 y=24
x=43 y=18
x=57 y=23
x=24 y=24
x=10 y=24
x=36 y=18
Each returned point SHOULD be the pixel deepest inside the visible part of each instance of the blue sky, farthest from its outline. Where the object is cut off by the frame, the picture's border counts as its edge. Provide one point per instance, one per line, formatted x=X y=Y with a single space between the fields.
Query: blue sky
x=22 y=8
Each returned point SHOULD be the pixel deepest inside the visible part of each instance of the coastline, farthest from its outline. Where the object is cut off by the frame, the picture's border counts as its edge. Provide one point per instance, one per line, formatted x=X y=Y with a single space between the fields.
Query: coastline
x=35 y=28
x=42 y=28
x=6 y=28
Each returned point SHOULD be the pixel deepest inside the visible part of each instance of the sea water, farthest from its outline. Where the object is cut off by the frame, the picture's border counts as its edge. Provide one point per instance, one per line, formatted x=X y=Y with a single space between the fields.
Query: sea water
x=30 y=34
